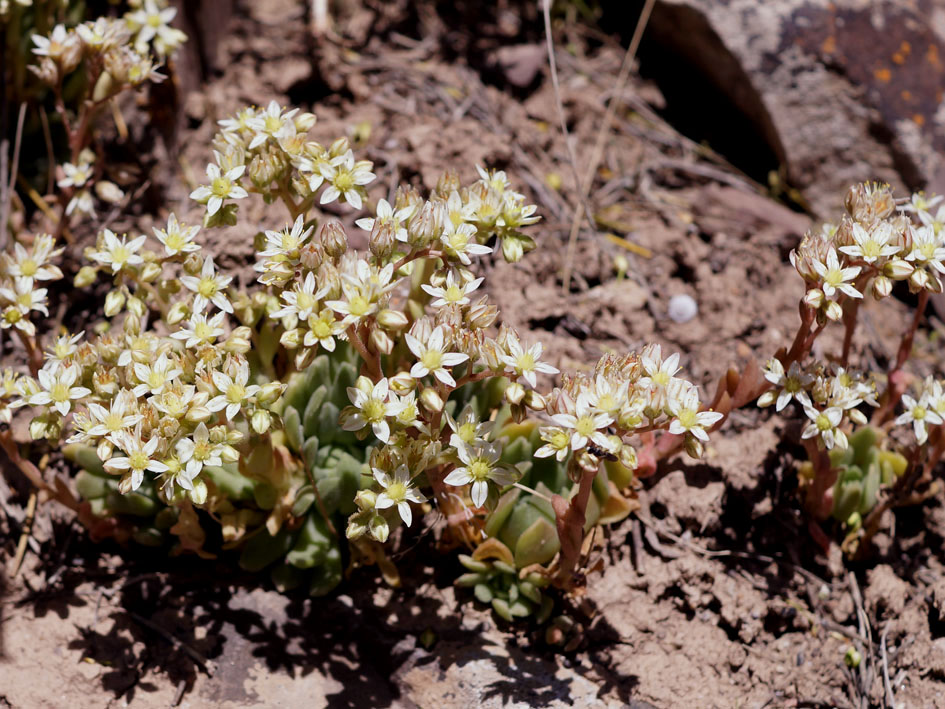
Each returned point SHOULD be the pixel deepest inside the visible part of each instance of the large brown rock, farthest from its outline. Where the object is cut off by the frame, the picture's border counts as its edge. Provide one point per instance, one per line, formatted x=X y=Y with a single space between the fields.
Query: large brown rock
x=841 y=91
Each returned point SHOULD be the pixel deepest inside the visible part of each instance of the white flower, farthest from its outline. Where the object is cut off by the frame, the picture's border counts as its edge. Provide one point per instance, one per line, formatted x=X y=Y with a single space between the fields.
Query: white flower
x=460 y=242
x=871 y=245
x=196 y=452
x=322 y=330
x=927 y=248
x=200 y=331
x=525 y=363
x=936 y=223
x=920 y=414
x=451 y=293
x=118 y=253
x=151 y=20
x=431 y=357
x=397 y=491
x=120 y=416
x=480 y=467
x=82 y=203
x=233 y=390
x=607 y=396
x=139 y=456
x=793 y=384
x=302 y=300
x=372 y=410
x=56 y=45
x=345 y=177
x=557 y=443
x=208 y=287
x=836 y=278
x=75 y=175
x=154 y=376
x=824 y=424
x=271 y=123
x=468 y=429
x=688 y=419
x=64 y=347
x=585 y=424
x=57 y=387
x=286 y=244
x=177 y=238
x=222 y=186
x=386 y=215
x=33 y=264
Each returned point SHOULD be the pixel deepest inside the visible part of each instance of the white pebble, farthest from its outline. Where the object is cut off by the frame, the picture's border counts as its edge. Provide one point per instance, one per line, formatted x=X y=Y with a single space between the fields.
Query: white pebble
x=682 y=308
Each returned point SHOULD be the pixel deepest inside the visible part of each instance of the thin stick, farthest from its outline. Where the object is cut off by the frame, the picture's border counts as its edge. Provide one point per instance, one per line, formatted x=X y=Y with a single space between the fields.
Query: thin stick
x=585 y=187
x=9 y=183
x=890 y=696
x=582 y=206
x=25 y=535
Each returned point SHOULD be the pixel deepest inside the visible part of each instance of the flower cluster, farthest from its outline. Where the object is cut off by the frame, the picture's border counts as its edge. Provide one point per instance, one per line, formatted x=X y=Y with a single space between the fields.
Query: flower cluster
x=23 y=274
x=872 y=247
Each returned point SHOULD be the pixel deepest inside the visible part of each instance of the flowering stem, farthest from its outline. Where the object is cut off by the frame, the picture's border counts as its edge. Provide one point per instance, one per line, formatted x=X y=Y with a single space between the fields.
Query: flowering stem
x=849 y=324
x=371 y=362
x=570 y=520
x=33 y=352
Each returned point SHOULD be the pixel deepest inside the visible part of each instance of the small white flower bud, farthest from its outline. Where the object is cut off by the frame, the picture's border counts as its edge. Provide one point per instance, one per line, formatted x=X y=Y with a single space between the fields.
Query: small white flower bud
x=814 y=298
x=882 y=287
x=198 y=414
x=136 y=306
x=366 y=499
x=108 y=192
x=199 y=494
x=833 y=311
x=114 y=302
x=382 y=341
x=379 y=528
x=392 y=319
x=261 y=420
x=85 y=277
x=767 y=399
x=150 y=272
x=291 y=339
x=514 y=393
x=402 y=383
x=898 y=269
x=534 y=401
x=177 y=313
x=431 y=400
x=270 y=393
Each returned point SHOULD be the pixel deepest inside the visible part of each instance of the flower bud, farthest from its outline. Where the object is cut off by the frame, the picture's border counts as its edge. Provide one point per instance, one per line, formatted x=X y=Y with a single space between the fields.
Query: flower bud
x=814 y=298
x=512 y=249
x=270 y=393
x=392 y=319
x=882 y=287
x=534 y=401
x=382 y=341
x=694 y=447
x=425 y=226
x=239 y=341
x=150 y=272
x=85 y=277
x=366 y=499
x=199 y=494
x=358 y=524
x=379 y=528
x=898 y=269
x=229 y=455
x=198 y=414
x=857 y=417
x=136 y=306
x=381 y=242
x=431 y=400
x=514 y=393
x=177 y=313
x=304 y=122
x=192 y=264
x=919 y=279
x=402 y=383
x=47 y=71
x=291 y=339
x=333 y=238
x=833 y=311
x=261 y=420
x=767 y=399
x=108 y=192
x=114 y=302
x=304 y=357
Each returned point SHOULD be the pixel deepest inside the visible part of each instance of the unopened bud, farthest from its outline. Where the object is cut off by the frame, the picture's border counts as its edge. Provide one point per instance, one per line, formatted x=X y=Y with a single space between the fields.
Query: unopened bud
x=366 y=499
x=192 y=264
x=534 y=401
x=136 y=306
x=177 y=313
x=919 y=279
x=382 y=341
x=291 y=339
x=114 y=302
x=898 y=269
x=333 y=238
x=514 y=393
x=833 y=311
x=270 y=393
x=882 y=287
x=512 y=249
x=814 y=298
x=199 y=494
x=431 y=400
x=304 y=122
x=261 y=420
x=108 y=192
x=392 y=319
x=379 y=528
x=402 y=383
x=382 y=241
x=198 y=414
x=694 y=447
x=85 y=277
x=150 y=272
x=768 y=398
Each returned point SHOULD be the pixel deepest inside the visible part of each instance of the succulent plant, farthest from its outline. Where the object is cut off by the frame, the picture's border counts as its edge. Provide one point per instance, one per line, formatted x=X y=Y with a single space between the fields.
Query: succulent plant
x=863 y=468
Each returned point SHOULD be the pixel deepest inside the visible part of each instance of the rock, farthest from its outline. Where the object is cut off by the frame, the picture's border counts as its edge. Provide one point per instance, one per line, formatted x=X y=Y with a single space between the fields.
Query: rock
x=682 y=308
x=841 y=91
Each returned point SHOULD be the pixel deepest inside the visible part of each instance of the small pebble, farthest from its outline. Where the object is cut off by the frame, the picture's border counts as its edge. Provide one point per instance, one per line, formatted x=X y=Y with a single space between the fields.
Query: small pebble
x=682 y=308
